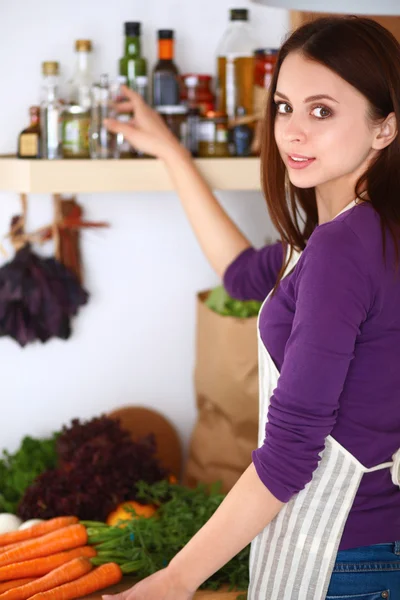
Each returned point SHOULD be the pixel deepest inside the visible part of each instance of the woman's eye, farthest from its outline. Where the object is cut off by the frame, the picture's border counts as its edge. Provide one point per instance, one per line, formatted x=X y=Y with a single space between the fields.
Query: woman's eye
x=321 y=112
x=283 y=108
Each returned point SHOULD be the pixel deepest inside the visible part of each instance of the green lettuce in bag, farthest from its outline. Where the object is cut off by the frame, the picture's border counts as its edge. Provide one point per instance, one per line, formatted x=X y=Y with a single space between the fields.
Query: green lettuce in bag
x=222 y=303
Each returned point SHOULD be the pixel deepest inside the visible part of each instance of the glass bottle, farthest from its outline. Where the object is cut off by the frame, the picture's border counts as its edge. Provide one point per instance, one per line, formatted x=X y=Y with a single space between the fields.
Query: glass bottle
x=82 y=79
x=76 y=115
x=102 y=141
x=235 y=65
x=165 y=74
x=123 y=148
x=142 y=87
x=132 y=64
x=242 y=135
x=29 y=138
x=50 y=113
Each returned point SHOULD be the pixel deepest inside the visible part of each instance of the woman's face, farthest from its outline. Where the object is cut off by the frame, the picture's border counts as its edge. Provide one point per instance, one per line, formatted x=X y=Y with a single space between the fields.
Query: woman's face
x=322 y=128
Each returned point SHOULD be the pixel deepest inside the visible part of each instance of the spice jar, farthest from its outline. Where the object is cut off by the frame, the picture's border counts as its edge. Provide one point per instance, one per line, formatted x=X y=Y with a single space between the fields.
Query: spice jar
x=264 y=66
x=213 y=135
x=175 y=117
x=196 y=92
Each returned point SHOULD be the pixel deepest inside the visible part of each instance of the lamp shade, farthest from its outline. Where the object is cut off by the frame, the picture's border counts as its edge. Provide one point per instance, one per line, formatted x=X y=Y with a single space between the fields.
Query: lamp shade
x=352 y=7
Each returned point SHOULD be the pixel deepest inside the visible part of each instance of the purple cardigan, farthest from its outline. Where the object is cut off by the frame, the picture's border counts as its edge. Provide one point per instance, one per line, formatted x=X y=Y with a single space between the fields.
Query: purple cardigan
x=333 y=331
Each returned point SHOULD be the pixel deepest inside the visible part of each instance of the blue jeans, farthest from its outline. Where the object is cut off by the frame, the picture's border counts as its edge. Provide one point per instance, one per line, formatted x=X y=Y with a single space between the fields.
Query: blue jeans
x=366 y=573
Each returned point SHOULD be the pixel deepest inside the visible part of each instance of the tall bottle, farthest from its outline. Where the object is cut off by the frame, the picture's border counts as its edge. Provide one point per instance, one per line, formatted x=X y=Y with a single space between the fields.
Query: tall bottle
x=76 y=115
x=235 y=65
x=82 y=79
x=50 y=112
x=132 y=64
x=29 y=138
x=165 y=74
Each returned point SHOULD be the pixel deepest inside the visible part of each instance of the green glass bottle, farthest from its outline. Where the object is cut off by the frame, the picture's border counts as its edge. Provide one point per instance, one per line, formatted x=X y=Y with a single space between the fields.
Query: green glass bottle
x=132 y=64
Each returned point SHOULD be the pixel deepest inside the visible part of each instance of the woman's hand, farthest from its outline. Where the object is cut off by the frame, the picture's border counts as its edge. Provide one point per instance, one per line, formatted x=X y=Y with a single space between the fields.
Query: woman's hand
x=162 y=585
x=147 y=130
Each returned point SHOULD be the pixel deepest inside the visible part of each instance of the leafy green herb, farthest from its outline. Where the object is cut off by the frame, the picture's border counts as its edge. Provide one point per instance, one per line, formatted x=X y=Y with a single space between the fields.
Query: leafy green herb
x=18 y=470
x=144 y=546
x=222 y=303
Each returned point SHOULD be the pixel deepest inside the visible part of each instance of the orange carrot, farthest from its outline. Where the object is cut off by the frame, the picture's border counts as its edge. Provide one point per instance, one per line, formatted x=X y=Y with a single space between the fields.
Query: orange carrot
x=9 y=546
x=11 y=537
x=74 y=569
x=67 y=538
x=41 y=566
x=98 y=579
x=9 y=585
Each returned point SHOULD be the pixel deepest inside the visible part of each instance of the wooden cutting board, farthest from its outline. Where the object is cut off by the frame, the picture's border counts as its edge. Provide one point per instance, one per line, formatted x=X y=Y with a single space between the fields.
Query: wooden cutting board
x=202 y=595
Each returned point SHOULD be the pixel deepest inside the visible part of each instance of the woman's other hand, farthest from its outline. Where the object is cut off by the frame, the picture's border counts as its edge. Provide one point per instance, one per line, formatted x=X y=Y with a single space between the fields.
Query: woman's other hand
x=162 y=585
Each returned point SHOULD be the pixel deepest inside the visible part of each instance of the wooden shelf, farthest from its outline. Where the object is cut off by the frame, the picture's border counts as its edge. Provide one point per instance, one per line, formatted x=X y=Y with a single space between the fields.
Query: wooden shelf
x=85 y=176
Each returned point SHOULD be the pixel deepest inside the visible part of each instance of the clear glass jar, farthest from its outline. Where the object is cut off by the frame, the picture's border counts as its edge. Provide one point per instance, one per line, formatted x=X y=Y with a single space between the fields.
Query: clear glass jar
x=213 y=135
x=102 y=142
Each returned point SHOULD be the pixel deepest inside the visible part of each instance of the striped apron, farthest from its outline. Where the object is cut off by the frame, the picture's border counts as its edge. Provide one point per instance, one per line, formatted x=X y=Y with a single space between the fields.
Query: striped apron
x=293 y=557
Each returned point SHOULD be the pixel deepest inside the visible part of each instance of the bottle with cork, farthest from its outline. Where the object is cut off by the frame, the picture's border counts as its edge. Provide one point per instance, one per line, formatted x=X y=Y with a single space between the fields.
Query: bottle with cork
x=50 y=112
x=29 y=138
x=76 y=115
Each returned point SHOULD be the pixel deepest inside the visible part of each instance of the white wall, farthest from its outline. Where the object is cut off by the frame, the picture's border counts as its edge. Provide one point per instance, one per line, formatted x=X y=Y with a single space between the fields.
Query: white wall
x=134 y=341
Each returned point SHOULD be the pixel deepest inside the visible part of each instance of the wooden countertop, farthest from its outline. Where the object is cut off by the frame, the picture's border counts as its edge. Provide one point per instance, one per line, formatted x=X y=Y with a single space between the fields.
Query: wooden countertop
x=201 y=595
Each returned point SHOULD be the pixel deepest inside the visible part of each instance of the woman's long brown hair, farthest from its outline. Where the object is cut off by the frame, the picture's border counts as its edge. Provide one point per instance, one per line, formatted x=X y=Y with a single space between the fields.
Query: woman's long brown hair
x=367 y=56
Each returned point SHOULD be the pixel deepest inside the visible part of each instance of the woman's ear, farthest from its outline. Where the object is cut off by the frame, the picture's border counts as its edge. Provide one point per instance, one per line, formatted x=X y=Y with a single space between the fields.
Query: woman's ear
x=385 y=132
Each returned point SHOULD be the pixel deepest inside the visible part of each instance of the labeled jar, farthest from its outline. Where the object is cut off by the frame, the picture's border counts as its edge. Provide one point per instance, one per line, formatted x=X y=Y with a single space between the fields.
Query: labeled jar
x=75 y=126
x=196 y=92
x=175 y=116
x=264 y=67
x=213 y=135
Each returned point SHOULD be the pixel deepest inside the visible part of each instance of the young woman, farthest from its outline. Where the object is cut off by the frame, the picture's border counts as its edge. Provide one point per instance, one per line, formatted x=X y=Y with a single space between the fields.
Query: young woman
x=321 y=499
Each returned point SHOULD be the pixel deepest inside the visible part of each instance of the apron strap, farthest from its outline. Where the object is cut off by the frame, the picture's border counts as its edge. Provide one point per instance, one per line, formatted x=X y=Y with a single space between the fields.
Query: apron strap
x=394 y=468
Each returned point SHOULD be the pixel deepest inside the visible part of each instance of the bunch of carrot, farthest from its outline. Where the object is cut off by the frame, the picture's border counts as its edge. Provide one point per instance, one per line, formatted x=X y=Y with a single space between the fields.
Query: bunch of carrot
x=51 y=561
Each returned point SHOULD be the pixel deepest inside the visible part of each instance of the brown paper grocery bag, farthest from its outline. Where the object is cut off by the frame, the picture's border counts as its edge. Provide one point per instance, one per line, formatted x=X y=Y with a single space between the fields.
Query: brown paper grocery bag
x=226 y=385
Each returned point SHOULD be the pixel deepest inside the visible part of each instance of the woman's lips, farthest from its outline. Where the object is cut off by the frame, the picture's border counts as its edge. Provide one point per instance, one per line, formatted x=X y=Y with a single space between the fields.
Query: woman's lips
x=297 y=161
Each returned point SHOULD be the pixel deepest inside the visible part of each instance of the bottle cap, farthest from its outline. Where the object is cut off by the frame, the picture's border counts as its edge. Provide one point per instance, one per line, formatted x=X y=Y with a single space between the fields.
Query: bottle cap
x=132 y=28
x=165 y=34
x=34 y=111
x=172 y=109
x=50 y=67
x=239 y=14
x=104 y=81
x=83 y=45
x=191 y=80
x=266 y=51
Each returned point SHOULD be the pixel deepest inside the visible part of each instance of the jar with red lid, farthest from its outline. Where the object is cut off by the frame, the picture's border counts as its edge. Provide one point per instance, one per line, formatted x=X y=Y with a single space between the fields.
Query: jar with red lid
x=196 y=92
x=264 y=66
